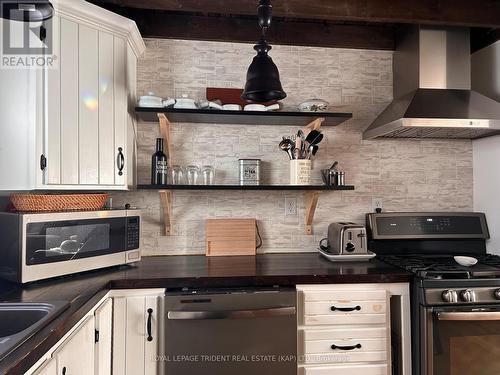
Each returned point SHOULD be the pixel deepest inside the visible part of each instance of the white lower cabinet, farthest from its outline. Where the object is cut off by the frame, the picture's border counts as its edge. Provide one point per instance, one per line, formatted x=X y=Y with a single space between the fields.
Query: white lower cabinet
x=346 y=329
x=137 y=332
x=48 y=368
x=104 y=337
x=75 y=356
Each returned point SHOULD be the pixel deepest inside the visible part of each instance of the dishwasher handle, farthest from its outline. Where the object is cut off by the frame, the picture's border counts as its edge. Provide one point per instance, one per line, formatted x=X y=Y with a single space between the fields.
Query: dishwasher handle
x=231 y=314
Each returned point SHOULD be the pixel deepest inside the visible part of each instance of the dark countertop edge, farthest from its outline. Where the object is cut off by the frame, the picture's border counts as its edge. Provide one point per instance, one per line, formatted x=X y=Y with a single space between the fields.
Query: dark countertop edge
x=26 y=355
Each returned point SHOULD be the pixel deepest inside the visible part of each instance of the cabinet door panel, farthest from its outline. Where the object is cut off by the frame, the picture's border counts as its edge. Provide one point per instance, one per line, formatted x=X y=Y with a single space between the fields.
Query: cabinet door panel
x=151 y=347
x=120 y=50
x=69 y=102
x=104 y=325
x=88 y=134
x=136 y=335
x=76 y=355
x=53 y=118
x=106 y=110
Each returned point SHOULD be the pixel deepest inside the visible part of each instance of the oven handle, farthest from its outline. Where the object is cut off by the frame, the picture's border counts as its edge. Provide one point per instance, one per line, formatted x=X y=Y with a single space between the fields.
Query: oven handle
x=469 y=316
x=231 y=314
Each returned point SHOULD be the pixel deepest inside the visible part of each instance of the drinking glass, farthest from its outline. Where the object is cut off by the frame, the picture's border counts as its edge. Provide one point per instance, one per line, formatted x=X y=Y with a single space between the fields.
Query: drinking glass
x=208 y=173
x=192 y=174
x=176 y=175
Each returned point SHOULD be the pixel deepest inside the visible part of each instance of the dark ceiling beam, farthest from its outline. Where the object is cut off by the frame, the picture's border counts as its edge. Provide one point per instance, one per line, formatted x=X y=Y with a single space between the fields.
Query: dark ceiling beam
x=477 y=13
x=175 y=25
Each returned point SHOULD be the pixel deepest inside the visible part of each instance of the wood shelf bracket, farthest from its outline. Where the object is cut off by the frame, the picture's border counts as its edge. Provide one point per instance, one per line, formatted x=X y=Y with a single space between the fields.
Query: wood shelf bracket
x=166 y=195
x=315 y=124
x=166 y=203
x=311 y=209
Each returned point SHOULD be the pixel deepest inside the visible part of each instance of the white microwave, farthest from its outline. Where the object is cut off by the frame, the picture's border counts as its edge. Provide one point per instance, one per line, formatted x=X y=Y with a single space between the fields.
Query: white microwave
x=38 y=246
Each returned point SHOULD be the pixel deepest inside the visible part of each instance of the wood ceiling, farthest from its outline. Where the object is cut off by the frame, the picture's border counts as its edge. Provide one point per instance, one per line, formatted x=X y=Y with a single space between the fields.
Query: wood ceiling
x=370 y=24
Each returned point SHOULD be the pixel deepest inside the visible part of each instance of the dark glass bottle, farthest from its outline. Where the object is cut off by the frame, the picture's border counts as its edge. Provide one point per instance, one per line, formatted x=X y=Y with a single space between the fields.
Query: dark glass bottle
x=159 y=165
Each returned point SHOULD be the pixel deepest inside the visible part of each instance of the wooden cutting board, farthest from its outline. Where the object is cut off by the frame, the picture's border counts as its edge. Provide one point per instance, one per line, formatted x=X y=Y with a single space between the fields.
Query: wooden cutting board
x=230 y=237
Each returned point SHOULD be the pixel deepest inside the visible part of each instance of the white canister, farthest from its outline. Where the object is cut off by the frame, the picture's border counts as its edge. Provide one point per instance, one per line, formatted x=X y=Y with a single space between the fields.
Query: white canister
x=300 y=172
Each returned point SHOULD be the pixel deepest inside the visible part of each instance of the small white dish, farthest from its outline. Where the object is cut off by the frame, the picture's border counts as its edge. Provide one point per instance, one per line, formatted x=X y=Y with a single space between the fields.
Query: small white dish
x=150 y=101
x=231 y=107
x=347 y=258
x=465 y=261
x=185 y=103
x=262 y=107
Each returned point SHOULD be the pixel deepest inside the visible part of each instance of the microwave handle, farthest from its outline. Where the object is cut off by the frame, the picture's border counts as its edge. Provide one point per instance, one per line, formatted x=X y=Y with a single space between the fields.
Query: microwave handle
x=469 y=316
x=230 y=314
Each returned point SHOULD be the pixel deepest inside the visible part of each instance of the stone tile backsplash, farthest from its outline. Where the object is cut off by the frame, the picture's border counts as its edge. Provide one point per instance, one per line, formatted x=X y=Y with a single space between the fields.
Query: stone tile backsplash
x=406 y=174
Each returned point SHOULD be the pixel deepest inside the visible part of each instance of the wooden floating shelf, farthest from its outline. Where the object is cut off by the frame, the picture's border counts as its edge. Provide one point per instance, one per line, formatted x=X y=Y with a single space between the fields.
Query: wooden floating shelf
x=245 y=187
x=215 y=116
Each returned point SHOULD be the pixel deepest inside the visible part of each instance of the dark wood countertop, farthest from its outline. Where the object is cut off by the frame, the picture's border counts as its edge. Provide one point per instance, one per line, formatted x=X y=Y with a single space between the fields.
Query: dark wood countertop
x=84 y=290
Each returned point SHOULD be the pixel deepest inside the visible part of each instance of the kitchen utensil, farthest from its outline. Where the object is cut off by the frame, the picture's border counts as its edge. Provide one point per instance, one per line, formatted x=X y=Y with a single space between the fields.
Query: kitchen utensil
x=287 y=145
x=334 y=165
x=300 y=172
x=150 y=101
x=314 y=137
x=465 y=261
x=313 y=149
x=231 y=107
x=345 y=238
x=208 y=173
x=249 y=171
x=176 y=175
x=230 y=237
x=192 y=172
x=313 y=105
x=185 y=103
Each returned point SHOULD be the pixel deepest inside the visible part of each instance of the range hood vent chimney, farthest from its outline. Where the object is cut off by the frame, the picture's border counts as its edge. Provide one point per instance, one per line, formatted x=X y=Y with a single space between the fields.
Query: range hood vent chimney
x=432 y=90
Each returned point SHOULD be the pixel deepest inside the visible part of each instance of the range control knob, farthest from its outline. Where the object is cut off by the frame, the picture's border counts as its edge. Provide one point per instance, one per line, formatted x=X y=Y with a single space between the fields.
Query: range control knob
x=468 y=295
x=449 y=296
x=350 y=247
x=496 y=293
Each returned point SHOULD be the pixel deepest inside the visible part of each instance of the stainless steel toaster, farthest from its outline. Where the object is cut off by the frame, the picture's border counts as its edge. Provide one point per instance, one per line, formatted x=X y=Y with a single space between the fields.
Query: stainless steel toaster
x=346 y=238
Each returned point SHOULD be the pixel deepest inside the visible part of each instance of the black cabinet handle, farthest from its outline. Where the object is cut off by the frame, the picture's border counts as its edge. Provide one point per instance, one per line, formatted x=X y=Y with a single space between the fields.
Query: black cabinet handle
x=64 y=370
x=352 y=347
x=150 y=317
x=345 y=309
x=120 y=161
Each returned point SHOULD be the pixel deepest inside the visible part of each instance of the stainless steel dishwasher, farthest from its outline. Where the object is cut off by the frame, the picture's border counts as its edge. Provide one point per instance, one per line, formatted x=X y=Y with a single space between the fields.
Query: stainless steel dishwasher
x=231 y=331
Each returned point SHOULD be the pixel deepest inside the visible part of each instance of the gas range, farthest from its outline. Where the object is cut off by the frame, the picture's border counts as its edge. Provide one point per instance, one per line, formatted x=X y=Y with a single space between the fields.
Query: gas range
x=451 y=305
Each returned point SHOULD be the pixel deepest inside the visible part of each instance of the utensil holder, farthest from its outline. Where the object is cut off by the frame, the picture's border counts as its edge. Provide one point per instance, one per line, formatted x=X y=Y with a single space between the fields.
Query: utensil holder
x=300 y=172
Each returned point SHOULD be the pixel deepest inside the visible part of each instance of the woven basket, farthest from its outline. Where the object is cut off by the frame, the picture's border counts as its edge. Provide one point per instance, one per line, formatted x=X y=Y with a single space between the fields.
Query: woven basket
x=58 y=202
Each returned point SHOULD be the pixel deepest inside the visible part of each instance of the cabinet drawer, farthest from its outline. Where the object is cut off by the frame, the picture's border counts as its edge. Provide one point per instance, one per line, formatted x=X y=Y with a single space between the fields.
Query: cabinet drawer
x=344 y=334
x=344 y=295
x=345 y=318
x=379 y=369
x=342 y=307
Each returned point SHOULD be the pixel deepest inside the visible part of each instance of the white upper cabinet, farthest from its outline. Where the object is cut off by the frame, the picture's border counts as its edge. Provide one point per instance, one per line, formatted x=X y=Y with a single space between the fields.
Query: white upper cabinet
x=76 y=131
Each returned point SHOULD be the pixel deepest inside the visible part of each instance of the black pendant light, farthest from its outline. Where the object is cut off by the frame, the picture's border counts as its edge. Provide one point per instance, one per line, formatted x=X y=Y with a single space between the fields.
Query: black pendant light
x=27 y=11
x=263 y=78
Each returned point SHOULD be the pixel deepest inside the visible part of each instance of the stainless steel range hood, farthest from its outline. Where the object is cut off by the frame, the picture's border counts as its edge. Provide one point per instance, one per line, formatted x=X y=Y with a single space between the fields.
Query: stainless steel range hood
x=432 y=90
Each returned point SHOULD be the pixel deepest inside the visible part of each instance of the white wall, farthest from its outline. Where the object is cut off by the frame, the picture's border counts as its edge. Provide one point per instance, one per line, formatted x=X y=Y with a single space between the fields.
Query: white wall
x=486 y=152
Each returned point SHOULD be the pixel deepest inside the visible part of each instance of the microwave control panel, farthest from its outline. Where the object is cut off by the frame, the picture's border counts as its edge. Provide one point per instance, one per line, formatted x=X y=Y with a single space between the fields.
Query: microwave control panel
x=133 y=230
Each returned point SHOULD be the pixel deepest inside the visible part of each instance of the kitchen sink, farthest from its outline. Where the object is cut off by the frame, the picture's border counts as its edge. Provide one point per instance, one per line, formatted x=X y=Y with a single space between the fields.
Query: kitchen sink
x=19 y=321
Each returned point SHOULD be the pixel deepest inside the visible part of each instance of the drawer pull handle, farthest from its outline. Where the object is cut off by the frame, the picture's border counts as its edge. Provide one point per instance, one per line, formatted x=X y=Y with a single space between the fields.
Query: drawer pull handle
x=345 y=309
x=349 y=347
x=150 y=317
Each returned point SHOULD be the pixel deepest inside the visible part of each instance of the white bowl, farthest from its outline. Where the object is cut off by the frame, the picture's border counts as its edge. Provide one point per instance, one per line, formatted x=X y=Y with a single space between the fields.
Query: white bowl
x=465 y=261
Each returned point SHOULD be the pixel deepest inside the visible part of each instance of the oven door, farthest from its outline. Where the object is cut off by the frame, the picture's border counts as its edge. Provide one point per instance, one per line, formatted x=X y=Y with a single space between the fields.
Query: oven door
x=463 y=340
